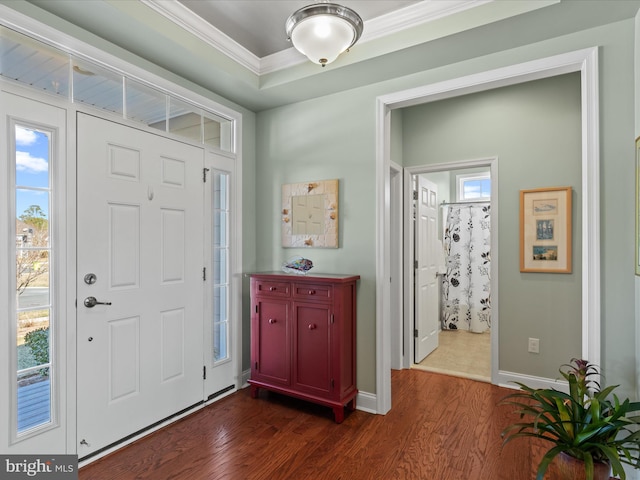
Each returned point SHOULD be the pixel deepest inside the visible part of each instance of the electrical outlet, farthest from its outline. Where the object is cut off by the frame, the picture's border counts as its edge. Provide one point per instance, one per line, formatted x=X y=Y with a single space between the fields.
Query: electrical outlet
x=534 y=345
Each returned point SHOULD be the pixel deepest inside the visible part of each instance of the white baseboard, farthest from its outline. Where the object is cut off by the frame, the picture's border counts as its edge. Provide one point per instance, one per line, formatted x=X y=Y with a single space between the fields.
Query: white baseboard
x=507 y=379
x=367 y=402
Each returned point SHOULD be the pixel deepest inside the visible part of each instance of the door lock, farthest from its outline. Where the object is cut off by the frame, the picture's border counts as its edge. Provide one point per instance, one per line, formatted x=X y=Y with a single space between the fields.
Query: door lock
x=91 y=302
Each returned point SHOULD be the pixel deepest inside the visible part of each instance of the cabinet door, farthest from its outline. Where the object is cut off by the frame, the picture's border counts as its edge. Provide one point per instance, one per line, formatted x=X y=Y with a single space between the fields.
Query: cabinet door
x=271 y=342
x=311 y=349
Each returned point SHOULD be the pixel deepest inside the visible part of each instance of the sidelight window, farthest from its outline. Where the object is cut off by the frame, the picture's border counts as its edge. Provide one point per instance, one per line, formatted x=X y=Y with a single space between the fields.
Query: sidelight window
x=34 y=261
x=221 y=251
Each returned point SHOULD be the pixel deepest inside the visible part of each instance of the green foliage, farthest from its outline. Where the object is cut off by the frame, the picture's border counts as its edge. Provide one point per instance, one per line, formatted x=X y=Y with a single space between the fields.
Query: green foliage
x=35 y=216
x=588 y=423
x=38 y=343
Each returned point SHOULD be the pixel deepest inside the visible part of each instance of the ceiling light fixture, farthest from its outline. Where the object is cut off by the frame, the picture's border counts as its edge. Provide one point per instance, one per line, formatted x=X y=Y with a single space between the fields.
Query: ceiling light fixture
x=323 y=31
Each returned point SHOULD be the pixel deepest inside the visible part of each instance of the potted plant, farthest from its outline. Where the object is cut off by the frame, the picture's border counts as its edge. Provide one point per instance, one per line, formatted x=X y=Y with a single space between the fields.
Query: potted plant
x=588 y=425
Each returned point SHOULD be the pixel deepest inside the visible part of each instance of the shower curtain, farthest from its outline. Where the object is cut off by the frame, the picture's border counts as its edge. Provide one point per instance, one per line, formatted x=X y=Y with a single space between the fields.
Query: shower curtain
x=466 y=285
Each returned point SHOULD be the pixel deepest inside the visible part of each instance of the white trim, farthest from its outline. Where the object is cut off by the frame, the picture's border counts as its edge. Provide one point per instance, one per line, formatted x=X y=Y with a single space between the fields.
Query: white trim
x=508 y=379
x=413 y=15
x=396 y=278
x=196 y=25
x=584 y=61
x=366 y=402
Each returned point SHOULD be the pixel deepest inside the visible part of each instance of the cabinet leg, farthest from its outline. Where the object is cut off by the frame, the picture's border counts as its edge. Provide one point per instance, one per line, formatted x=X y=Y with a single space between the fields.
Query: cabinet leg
x=351 y=406
x=338 y=413
x=254 y=391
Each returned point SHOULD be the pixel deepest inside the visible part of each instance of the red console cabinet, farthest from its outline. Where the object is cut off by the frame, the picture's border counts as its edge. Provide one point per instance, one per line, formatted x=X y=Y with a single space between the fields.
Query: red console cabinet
x=303 y=337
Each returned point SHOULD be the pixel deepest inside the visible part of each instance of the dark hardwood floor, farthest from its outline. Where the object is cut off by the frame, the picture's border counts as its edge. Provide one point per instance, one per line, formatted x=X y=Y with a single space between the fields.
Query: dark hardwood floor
x=440 y=427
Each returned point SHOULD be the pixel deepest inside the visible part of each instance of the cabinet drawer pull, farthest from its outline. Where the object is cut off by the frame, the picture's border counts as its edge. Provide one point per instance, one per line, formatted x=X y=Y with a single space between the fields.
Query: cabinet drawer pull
x=272 y=321
x=312 y=292
x=312 y=326
x=272 y=289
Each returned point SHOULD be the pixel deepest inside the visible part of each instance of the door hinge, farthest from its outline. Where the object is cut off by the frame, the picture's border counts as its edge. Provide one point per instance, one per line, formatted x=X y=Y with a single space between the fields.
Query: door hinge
x=204 y=372
x=415 y=333
x=256 y=308
x=204 y=274
x=256 y=365
x=332 y=384
x=415 y=264
x=204 y=174
x=415 y=195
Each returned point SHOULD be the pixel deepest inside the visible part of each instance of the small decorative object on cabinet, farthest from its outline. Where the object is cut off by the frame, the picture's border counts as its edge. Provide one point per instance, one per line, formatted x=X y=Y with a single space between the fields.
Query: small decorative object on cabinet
x=303 y=338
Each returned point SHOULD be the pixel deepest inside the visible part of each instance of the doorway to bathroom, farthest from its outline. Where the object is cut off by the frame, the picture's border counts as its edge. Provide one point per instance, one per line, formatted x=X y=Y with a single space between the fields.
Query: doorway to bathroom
x=451 y=220
x=442 y=330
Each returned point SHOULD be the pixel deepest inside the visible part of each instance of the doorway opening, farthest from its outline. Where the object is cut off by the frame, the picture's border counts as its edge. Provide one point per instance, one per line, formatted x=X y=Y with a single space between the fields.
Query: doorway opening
x=583 y=61
x=452 y=308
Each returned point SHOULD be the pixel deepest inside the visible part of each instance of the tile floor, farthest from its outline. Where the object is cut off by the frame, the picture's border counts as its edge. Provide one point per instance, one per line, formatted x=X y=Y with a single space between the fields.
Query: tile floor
x=462 y=354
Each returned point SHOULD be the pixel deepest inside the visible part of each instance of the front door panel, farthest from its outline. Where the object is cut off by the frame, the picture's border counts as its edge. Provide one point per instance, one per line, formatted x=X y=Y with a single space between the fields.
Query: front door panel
x=140 y=233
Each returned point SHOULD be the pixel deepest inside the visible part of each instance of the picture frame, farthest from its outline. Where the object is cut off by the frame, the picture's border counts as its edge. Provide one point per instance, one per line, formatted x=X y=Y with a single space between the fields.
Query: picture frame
x=637 y=260
x=545 y=230
x=309 y=214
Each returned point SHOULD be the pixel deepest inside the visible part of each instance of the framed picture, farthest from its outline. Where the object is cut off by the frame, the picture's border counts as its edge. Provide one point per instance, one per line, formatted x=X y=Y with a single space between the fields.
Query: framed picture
x=638 y=206
x=545 y=230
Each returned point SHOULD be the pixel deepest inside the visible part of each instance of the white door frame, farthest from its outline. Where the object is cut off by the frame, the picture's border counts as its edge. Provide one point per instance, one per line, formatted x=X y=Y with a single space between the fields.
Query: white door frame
x=409 y=292
x=583 y=61
x=398 y=306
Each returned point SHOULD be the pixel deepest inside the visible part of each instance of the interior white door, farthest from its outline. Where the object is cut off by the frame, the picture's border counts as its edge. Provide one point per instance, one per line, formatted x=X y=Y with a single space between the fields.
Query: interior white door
x=139 y=248
x=426 y=323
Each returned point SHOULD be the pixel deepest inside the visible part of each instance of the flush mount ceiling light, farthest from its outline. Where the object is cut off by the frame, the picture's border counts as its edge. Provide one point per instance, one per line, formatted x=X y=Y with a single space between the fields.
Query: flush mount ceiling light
x=323 y=31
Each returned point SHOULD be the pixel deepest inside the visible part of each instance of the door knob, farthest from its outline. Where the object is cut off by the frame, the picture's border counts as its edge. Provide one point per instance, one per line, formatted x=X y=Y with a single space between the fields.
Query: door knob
x=91 y=302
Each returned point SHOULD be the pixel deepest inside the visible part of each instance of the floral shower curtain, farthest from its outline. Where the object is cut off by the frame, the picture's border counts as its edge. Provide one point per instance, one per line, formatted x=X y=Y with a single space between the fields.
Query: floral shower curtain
x=466 y=285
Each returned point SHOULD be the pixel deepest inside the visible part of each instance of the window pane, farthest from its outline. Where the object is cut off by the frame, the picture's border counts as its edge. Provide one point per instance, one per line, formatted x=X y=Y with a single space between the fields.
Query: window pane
x=32 y=211
x=220 y=325
x=34 y=399
x=218 y=132
x=219 y=228
x=220 y=266
x=185 y=120
x=474 y=187
x=220 y=341
x=33 y=63
x=32 y=276
x=146 y=105
x=220 y=181
x=32 y=157
x=97 y=87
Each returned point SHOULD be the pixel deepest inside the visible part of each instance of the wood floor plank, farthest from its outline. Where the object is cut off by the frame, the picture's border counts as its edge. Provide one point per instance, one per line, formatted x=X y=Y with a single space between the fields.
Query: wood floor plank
x=440 y=427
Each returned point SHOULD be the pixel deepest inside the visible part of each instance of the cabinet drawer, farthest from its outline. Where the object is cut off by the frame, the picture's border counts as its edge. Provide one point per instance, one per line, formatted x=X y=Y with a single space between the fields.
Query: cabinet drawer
x=272 y=289
x=319 y=293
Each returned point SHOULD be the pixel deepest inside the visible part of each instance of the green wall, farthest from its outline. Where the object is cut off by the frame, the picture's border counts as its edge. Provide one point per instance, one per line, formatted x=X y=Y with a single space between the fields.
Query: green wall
x=334 y=137
x=534 y=129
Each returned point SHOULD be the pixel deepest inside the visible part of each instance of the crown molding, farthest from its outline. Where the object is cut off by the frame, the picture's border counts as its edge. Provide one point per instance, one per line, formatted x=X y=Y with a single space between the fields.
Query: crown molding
x=416 y=14
x=413 y=15
x=187 y=19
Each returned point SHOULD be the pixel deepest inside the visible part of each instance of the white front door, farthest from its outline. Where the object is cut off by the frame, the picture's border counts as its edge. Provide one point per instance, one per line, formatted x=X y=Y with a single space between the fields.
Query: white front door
x=426 y=279
x=140 y=254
